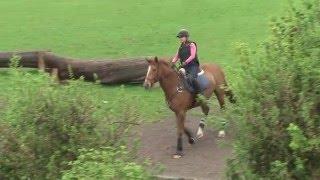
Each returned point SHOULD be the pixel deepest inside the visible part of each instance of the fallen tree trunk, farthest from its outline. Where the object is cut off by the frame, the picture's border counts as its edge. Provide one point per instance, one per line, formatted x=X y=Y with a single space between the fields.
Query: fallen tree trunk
x=131 y=70
x=28 y=59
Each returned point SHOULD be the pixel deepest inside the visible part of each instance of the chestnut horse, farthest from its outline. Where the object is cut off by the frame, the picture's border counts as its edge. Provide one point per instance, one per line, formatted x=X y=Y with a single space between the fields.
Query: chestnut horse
x=180 y=100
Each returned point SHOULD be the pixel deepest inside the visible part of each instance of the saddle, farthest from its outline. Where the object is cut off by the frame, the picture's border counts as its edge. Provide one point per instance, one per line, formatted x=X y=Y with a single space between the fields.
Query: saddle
x=187 y=84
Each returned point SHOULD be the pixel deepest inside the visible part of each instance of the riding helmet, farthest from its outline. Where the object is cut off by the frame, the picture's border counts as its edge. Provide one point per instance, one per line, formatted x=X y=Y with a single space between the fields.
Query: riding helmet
x=183 y=33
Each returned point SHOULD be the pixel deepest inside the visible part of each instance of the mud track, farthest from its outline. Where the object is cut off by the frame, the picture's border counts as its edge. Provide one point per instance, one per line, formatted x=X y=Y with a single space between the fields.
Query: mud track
x=204 y=160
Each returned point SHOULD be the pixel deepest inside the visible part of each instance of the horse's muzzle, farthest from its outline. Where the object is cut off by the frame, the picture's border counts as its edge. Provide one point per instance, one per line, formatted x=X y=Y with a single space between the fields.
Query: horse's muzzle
x=147 y=85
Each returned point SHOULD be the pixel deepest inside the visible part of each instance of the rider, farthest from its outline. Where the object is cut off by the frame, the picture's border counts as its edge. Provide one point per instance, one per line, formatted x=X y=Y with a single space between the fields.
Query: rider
x=187 y=53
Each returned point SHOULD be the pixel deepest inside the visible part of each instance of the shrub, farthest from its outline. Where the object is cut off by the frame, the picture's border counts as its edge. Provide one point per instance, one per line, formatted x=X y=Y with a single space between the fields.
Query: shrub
x=43 y=125
x=106 y=163
x=278 y=112
x=14 y=155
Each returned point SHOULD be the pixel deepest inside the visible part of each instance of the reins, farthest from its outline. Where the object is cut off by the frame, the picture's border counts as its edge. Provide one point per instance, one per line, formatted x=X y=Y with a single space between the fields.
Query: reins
x=178 y=89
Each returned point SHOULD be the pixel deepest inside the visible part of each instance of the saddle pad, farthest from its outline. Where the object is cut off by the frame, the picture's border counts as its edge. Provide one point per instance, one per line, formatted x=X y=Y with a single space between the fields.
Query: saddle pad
x=202 y=81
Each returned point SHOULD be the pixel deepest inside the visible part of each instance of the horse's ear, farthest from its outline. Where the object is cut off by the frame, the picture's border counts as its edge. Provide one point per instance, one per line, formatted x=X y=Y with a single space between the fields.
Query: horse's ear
x=156 y=59
x=148 y=59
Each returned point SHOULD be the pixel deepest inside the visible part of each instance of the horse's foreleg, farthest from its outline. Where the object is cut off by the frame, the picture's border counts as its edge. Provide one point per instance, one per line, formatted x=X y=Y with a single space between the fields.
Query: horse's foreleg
x=191 y=140
x=180 y=129
x=205 y=110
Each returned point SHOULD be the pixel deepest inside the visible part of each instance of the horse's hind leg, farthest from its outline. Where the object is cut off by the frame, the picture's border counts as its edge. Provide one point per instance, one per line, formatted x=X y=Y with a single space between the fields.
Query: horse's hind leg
x=220 y=96
x=205 y=109
x=220 y=93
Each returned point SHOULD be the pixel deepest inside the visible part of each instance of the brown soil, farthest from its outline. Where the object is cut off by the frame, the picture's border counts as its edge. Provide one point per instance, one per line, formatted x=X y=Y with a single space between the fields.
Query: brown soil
x=204 y=160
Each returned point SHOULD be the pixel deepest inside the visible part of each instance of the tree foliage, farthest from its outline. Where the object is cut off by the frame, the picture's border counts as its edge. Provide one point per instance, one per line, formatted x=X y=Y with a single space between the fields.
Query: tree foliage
x=278 y=112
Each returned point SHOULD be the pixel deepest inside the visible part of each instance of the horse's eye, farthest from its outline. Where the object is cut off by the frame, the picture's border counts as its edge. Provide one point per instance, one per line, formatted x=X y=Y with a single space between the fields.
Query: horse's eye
x=153 y=69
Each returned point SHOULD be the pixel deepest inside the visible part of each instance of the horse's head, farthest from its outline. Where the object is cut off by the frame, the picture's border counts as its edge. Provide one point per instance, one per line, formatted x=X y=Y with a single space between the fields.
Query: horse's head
x=157 y=70
x=153 y=72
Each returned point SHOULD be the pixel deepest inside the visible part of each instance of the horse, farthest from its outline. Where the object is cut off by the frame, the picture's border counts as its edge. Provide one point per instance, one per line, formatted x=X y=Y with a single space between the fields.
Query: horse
x=180 y=100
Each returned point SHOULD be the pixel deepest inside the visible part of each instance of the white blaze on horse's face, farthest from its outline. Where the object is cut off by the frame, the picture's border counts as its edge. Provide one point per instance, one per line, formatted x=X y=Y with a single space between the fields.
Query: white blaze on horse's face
x=146 y=83
x=150 y=77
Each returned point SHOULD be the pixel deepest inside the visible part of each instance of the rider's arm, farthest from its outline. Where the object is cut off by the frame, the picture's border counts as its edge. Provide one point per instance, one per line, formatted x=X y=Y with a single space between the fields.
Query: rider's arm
x=193 y=50
x=175 y=58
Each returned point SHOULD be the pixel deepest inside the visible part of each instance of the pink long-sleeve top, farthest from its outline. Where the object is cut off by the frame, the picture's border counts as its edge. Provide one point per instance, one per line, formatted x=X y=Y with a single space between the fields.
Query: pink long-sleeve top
x=193 y=50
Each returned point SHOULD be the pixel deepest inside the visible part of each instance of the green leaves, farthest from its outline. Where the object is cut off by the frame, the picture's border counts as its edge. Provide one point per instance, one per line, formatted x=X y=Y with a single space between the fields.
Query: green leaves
x=298 y=140
x=43 y=125
x=105 y=163
x=278 y=89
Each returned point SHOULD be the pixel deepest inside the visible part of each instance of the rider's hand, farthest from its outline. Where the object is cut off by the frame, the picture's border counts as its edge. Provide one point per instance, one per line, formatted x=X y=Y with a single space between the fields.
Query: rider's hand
x=172 y=65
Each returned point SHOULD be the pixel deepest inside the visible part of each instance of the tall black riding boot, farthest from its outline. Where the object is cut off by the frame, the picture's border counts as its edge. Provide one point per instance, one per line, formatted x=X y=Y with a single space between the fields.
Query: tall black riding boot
x=197 y=91
x=196 y=86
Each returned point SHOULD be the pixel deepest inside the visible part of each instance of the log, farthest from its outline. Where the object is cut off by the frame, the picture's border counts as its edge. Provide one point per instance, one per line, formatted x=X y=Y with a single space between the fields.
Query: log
x=107 y=71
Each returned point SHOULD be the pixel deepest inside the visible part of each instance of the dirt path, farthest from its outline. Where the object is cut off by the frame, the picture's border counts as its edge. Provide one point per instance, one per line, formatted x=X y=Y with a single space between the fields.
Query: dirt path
x=204 y=160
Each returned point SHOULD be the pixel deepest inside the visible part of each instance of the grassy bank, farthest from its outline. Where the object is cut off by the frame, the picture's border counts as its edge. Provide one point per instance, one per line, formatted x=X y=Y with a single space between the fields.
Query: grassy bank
x=94 y=29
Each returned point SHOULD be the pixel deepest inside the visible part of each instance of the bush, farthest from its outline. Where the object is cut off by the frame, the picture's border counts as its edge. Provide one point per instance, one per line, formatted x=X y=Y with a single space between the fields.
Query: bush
x=106 y=163
x=43 y=125
x=278 y=112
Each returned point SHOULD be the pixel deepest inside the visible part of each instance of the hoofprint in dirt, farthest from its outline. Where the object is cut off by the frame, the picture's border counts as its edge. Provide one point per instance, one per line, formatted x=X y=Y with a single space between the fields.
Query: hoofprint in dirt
x=204 y=160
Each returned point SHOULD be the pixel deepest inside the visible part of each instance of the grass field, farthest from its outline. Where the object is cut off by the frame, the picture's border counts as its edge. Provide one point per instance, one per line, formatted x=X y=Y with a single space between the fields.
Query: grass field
x=125 y=28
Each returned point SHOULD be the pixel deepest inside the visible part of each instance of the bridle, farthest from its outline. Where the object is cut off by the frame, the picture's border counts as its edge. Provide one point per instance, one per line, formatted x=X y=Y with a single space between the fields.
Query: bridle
x=179 y=88
x=159 y=78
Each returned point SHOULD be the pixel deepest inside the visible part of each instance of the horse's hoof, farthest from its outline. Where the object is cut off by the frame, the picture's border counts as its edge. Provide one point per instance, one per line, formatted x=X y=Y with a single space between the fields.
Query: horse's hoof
x=192 y=141
x=177 y=155
x=199 y=133
x=221 y=134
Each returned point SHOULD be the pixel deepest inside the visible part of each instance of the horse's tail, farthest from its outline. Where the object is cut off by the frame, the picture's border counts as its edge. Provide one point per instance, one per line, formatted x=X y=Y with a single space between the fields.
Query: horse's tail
x=231 y=96
x=228 y=92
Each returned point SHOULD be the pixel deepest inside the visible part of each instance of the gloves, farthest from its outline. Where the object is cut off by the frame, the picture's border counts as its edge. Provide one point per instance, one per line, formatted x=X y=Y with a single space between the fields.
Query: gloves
x=172 y=65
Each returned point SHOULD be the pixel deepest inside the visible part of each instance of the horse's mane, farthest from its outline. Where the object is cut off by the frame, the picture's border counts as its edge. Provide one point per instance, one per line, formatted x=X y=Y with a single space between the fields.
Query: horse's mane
x=165 y=61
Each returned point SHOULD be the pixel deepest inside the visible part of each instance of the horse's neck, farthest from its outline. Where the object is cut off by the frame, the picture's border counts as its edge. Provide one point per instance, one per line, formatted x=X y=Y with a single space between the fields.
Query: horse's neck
x=169 y=83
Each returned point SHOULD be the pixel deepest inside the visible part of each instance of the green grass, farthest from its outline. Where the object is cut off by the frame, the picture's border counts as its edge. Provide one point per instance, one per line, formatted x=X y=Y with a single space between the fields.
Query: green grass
x=125 y=28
